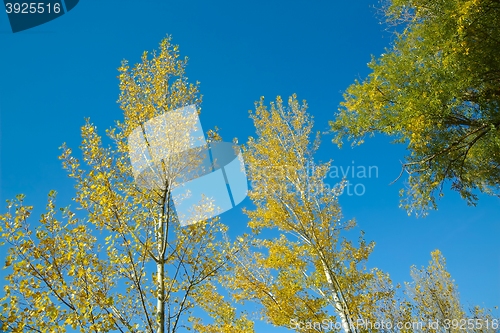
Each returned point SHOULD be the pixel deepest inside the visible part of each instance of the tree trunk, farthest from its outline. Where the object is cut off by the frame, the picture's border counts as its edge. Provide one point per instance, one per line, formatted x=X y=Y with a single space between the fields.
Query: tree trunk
x=160 y=278
x=339 y=308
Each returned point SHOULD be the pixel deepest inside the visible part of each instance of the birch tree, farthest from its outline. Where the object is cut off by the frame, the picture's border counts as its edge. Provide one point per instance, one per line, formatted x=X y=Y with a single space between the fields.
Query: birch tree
x=298 y=268
x=431 y=303
x=123 y=263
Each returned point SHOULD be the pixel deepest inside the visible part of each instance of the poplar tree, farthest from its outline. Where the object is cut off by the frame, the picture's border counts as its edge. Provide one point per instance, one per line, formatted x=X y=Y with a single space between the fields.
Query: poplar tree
x=123 y=263
x=298 y=268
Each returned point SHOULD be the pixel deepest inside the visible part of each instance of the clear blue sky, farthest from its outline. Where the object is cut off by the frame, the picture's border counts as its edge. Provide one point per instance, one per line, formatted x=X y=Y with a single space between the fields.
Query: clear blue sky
x=54 y=75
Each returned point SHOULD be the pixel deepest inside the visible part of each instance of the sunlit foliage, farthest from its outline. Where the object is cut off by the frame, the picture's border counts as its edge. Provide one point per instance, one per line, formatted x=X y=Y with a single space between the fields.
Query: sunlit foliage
x=123 y=263
x=437 y=90
x=308 y=272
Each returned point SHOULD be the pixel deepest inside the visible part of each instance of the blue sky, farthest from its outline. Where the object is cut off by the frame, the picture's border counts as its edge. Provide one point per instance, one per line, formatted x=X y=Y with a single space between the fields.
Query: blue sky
x=54 y=75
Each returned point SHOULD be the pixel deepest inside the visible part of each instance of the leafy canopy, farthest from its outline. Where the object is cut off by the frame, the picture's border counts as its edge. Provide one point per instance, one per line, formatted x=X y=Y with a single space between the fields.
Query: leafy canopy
x=124 y=264
x=437 y=90
x=306 y=271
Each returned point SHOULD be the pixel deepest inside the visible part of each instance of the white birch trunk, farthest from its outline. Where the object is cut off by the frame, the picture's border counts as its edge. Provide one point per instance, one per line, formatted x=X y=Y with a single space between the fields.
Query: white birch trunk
x=338 y=303
x=160 y=278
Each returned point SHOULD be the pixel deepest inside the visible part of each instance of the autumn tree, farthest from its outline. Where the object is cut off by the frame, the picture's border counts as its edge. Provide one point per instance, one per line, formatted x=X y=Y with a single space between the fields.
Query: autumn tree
x=434 y=295
x=298 y=268
x=126 y=264
x=437 y=90
x=431 y=303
